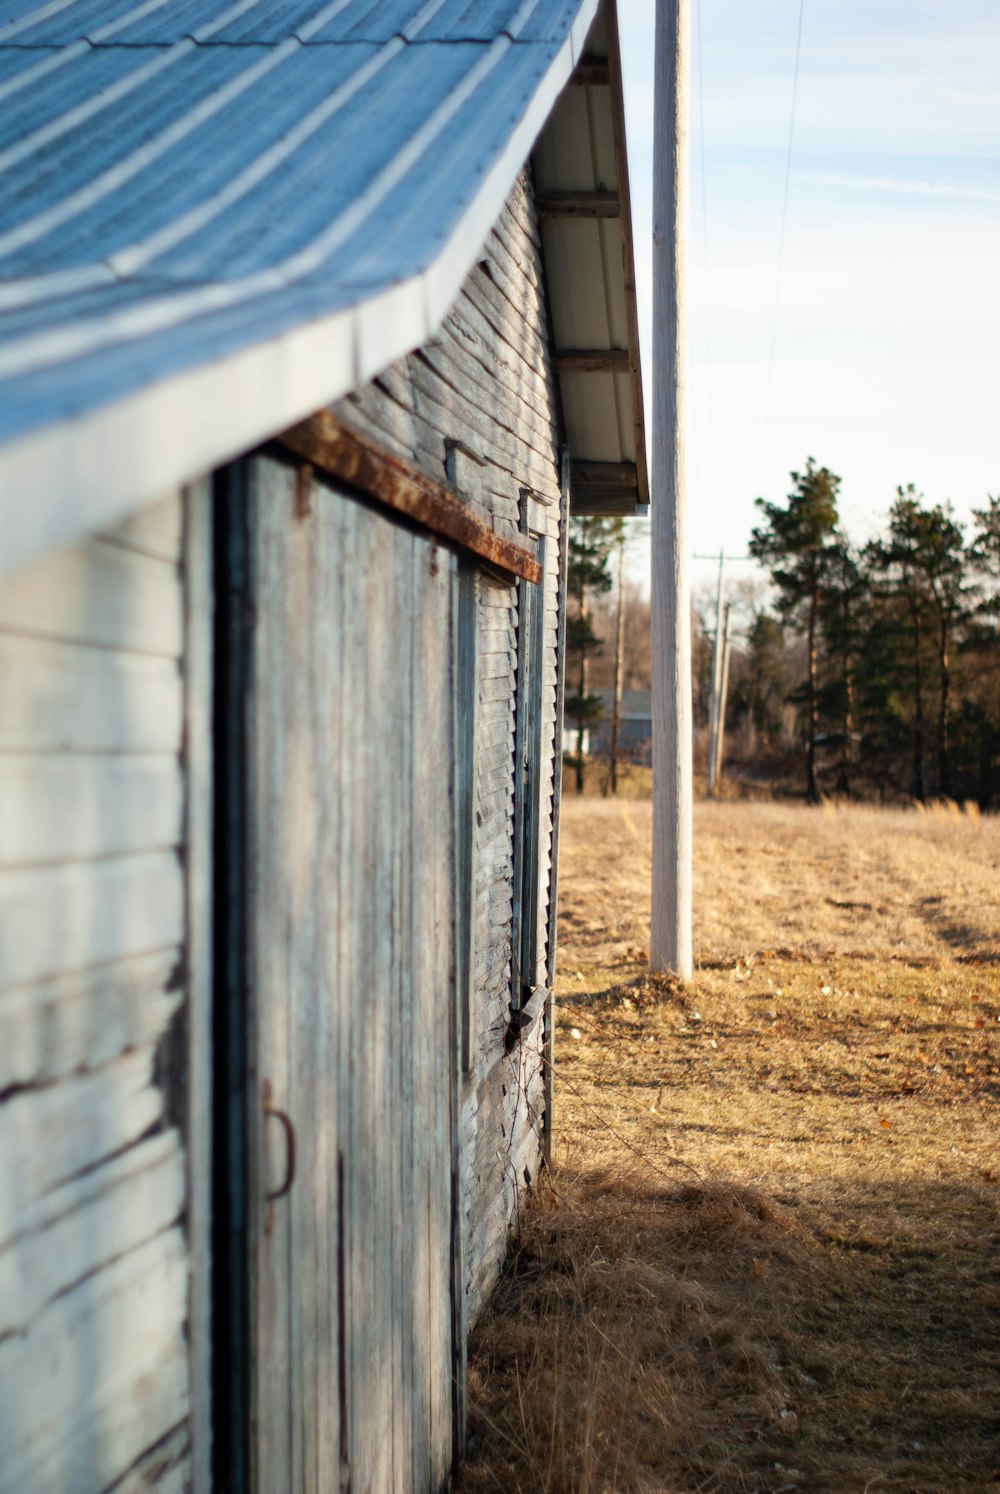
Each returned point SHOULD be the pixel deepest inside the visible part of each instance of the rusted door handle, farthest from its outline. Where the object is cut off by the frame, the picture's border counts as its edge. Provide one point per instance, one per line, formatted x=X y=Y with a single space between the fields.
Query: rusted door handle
x=272 y=1111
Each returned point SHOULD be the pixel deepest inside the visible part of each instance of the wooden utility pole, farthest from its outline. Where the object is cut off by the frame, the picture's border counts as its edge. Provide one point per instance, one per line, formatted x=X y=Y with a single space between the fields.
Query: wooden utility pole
x=713 y=710
x=670 y=936
x=720 y=716
x=616 y=719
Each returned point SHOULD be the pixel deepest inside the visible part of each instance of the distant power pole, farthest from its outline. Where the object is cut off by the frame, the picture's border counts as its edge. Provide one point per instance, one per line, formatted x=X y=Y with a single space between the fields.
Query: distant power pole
x=720 y=713
x=616 y=719
x=713 y=710
x=720 y=675
x=671 y=937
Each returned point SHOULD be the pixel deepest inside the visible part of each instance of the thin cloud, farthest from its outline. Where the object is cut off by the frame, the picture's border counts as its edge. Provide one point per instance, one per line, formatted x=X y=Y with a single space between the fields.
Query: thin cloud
x=955 y=191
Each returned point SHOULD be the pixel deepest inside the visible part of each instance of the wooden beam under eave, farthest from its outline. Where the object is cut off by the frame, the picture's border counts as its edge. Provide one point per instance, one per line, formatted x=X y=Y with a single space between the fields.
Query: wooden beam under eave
x=592 y=360
x=578 y=205
x=605 y=502
x=614 y=475
x=593 y=72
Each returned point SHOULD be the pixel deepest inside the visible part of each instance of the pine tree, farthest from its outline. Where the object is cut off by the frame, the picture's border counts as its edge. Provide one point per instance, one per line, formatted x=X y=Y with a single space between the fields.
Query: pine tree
x=843 y=606
x=763 y=686
x=591 y=541
x=984 y=643
x=798 y=543
x=923 y=560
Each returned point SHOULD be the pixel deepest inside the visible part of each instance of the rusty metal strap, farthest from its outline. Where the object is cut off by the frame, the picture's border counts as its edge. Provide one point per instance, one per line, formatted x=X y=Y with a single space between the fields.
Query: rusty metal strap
x=338 y=450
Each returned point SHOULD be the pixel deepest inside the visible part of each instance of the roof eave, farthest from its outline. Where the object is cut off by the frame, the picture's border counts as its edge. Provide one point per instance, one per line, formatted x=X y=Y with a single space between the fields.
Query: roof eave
x=599 y=485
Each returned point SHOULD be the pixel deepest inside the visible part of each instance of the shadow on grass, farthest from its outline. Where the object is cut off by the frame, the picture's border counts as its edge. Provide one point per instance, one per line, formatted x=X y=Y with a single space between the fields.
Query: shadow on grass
x=706 y=1337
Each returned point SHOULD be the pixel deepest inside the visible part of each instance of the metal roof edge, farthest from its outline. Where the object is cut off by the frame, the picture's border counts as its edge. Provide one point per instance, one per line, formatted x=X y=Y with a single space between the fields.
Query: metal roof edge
x=58 y=483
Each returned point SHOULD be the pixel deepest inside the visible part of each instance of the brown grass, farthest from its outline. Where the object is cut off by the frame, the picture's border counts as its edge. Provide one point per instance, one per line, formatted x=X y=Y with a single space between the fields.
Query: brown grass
x=766 y=1256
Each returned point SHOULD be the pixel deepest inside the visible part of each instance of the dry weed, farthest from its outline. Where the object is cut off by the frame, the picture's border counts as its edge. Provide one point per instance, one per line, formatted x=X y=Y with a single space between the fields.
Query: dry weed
x=766 y=1257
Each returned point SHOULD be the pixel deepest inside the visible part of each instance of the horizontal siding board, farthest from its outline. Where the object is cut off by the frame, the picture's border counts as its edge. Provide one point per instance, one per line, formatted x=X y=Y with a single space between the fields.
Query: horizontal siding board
x=442 y=406
x=69 y=807
x=59 y=697
x=115 y=1368
x=83 y=1019
x=77 y=1229
x=495 y=780
x=93 y=1176
x=514 y=334
x=494 y=390
x=520 y=240
x=99 y=594
x=53 y=1134
x=69 y=917
x=462 y=343
x=166 y=1468
x=379 y=415
x=155 y=529
x=495 y=688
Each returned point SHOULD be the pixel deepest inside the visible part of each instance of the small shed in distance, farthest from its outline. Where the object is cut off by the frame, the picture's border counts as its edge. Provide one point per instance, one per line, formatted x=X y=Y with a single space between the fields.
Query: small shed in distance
x=636 y=730
x=316 y=321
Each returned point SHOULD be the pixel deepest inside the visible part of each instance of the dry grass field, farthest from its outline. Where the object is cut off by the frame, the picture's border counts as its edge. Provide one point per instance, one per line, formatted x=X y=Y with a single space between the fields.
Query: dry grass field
x=766 y=1256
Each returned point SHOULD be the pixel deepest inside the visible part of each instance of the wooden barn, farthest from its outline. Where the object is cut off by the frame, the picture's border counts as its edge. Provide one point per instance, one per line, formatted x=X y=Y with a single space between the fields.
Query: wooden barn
x=317 y=320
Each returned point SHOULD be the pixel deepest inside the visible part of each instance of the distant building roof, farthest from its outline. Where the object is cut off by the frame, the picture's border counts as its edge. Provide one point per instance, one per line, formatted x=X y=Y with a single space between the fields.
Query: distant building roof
x=637 y=705
x=216 y=218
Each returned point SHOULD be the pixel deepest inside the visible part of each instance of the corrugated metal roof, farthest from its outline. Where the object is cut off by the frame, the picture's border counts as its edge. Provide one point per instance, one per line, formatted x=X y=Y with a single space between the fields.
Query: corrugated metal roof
x=215 y=219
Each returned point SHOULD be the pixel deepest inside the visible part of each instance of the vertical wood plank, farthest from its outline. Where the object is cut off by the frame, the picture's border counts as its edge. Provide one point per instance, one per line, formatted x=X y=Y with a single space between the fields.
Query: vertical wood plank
x=276 y=671
x=302 y=792
x=198 y=762
x=397 y=744
x=347 y=982
x=447 y=1211
x=466 y=697
x=465 y=707
x=423 y=1102
x=379 y=691
x=410 y=1425
x=331 y=621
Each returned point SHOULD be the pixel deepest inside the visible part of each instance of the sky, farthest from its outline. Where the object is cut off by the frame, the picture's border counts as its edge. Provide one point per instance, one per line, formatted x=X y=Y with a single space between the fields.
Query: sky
x=883 y=308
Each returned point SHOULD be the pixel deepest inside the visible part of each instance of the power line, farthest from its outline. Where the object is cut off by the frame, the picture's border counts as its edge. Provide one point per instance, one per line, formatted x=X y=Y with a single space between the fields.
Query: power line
x=784 y=219
x=709 y=401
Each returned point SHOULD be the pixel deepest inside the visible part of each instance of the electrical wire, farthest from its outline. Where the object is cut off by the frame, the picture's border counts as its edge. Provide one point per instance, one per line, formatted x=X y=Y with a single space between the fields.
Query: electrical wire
x=710 y=463
x=784 y=220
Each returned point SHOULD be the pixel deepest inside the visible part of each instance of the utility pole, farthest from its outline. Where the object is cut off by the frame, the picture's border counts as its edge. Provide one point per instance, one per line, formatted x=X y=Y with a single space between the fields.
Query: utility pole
x=616 y=719
x=671 y=930
x=713 y=710
x=720 y=676
x=720 y=716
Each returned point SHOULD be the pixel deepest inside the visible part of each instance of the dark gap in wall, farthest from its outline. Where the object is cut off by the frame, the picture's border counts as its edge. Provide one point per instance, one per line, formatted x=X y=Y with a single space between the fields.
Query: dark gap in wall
x=230 y=1282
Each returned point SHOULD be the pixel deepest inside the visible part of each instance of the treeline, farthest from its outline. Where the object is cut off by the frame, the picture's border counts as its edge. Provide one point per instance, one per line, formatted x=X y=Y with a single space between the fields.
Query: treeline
x=887 y=654
x=873 y=670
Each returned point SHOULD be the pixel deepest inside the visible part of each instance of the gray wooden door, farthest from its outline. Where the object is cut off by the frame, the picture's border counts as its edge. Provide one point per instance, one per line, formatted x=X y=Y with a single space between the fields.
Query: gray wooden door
x=352 y=1054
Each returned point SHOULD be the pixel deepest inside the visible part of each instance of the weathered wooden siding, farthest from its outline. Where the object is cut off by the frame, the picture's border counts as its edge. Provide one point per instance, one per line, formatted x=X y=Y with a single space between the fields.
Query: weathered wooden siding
x=477 y=406
x=352 y=858
x=94 y=1253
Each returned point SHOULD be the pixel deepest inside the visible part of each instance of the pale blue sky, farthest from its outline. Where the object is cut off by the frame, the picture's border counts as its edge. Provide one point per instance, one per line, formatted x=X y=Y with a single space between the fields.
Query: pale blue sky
x=888 y=327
